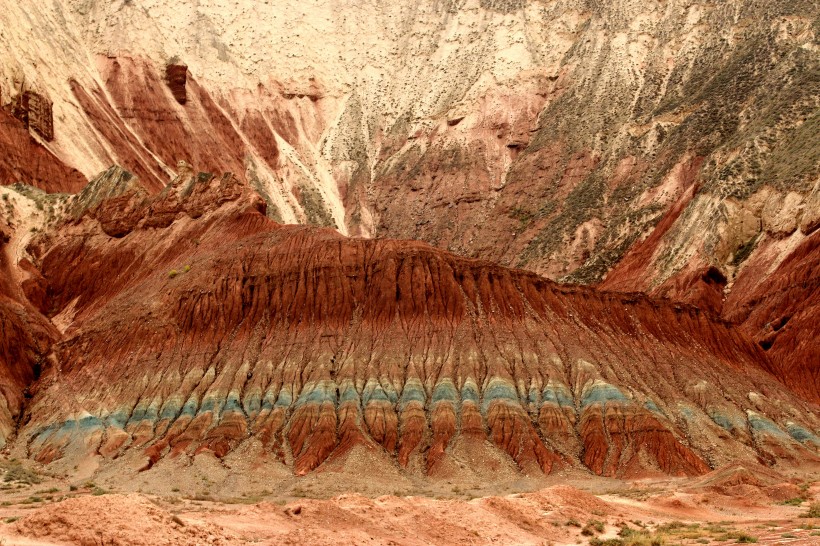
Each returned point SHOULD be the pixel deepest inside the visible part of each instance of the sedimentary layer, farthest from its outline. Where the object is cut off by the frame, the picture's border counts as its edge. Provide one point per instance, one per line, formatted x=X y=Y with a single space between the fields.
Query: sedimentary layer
x=193 y=323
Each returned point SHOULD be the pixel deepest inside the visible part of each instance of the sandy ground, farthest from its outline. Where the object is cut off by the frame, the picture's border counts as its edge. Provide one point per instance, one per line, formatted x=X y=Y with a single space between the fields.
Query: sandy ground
x=728 y=506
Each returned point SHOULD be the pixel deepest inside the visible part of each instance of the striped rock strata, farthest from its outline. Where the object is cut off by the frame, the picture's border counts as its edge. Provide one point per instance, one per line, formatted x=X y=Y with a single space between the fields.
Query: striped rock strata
x=193 y=323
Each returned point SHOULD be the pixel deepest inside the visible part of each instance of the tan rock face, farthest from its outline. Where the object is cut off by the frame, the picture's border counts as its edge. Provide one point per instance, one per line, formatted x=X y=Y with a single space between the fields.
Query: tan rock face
x=810 y=220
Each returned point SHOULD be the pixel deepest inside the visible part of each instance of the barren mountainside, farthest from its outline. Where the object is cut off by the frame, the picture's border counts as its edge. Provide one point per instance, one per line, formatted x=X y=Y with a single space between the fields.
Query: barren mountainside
x=464 y=236
x=302 y=345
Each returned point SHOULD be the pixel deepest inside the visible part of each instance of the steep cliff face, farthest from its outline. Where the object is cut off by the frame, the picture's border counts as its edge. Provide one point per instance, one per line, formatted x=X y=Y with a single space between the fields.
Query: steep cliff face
x=25 y=334
x=193 y=323
x=781 y=315
x=25 y=160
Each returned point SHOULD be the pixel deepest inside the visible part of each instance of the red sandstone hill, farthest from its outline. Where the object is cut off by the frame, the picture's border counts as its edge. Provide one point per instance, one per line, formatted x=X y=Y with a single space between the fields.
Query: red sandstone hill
x=192 y=323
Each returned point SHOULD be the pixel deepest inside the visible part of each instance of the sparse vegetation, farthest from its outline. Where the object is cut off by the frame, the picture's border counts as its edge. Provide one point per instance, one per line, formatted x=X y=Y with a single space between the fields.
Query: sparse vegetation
x=592 y=527
x=47 y=491
x=813 y=511
x=607 y=542
x=796 y=501
x=743 y=538
x=639 y=537
x=16 y=473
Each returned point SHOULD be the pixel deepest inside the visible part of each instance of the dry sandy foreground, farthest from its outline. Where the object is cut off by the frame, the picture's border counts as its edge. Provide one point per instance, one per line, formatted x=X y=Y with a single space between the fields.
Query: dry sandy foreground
x=728 y=506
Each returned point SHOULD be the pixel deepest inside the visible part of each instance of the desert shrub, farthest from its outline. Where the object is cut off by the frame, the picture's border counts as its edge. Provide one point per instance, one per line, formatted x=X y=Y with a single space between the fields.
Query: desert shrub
x=796 y=501
x=16 y=473
x=813 y=511
x=608 y=542
x=743 y=538
x=592 y=527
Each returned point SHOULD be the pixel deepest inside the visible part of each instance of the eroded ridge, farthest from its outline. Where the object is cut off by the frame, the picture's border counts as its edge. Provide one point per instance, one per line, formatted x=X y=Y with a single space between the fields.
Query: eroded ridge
x=193 y=323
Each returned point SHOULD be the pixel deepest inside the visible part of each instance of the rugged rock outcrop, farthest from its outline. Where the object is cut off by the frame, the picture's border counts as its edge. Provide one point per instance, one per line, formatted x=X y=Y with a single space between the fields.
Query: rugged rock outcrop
x=25 y=334
x=24 y=160
x=193 y=323
x=782 y=314
x=667 y=148
x=34 y=111
x=176 y=75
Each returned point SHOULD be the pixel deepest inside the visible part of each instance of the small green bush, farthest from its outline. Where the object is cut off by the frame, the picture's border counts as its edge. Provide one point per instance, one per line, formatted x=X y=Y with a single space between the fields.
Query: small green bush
x=592 y=527
x=796 y=501
x=16 y=473
x=595 y=541
x=743 y=538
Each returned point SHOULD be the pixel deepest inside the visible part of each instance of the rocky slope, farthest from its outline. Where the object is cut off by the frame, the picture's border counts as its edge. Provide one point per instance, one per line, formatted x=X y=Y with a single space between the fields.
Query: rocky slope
x=668 y=148
x=651 y=149
x=192 y=323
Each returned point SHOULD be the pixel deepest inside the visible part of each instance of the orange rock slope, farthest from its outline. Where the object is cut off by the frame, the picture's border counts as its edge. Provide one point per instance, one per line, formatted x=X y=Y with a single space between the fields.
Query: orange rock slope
x=193 y=323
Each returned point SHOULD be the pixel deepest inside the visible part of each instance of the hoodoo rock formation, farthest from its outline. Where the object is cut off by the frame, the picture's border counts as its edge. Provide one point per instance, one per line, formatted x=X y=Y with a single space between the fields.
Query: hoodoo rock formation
x=193 y=323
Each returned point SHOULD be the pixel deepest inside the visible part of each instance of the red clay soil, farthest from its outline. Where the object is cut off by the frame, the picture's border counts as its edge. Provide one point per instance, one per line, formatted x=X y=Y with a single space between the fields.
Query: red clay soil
x=719 y=510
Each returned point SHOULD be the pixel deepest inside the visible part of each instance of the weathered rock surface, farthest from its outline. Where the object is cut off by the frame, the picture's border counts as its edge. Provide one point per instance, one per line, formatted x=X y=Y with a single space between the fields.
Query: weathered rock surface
x=194 y=324
x=176 y=75
x=24 y=160
x=668 y=149
x=25 y=334
x=34 y=111
x=782 y=314
x=654 y=147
